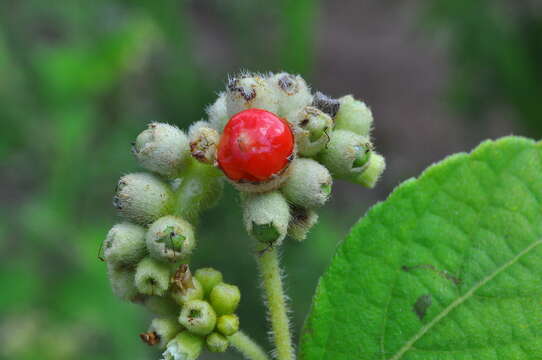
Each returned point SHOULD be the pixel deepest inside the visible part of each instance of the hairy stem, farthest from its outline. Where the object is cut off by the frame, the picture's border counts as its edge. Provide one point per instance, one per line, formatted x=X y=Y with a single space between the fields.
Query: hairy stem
x=247 y=346
x=268 y=263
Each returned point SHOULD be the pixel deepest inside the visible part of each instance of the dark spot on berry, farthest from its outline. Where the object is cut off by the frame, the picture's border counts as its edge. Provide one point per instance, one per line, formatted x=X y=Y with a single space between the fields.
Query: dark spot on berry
x=288 y=84
x=325 y=103
x=304 y=122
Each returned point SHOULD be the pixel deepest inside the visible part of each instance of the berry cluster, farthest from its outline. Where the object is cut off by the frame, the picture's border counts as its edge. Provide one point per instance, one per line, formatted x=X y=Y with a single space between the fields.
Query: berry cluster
x=276 y=142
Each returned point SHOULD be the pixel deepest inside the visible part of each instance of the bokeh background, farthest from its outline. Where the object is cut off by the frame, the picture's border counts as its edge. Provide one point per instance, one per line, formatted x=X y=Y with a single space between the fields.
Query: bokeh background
x=80 y=79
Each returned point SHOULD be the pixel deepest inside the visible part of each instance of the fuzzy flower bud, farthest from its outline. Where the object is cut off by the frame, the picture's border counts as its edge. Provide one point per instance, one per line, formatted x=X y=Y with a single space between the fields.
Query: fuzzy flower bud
x=152 y=277
x=302 y=221
x=142 y=197
x=203 y=142
x=124 y=245
x=346 y=154
x=354 y=115
x=225 y=298
x=160 y=306
x=184 y=346
x=292 y=91
x=162 y=148
x=218 y=113
x=161 y=331
x=170 y=238
x=266 y=217
x=198 y=317
x=228 y=324
x=371 y=174
x=246 y=91
x=312 y=127
x=122 y=283
x=309 y=184
x=217 y=342
x=328 y=105
x=208 y=278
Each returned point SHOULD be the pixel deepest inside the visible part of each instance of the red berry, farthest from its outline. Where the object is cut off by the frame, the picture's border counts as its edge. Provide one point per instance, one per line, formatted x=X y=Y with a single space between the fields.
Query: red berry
x=255 y=145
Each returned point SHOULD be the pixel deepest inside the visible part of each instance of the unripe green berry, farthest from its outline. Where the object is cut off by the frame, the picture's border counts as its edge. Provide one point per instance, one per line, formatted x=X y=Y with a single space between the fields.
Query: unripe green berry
x=203 y=142
x=354 y=115
x=161 y=331
x=302 y=221
x=198 y=317
x=225 y=298
x=161 y=305
x=182 y=296
x=346 y=154
x=312 y=129
x=124 y=245
x=218 y=113
x=152 y=277
x=162 y=148
x=309 y=184
x=266 y=217
x=228 y=324
x=370 y=175
x=217 y=342
x=170 y=238
x=184 y=346
x=142 y=197
x=292 y=91
x=208 y=278
x=122 y=283
x=246 y=91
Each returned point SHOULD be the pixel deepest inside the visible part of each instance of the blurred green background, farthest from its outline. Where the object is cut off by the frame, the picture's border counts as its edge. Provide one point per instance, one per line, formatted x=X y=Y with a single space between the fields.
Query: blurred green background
x=80 y=79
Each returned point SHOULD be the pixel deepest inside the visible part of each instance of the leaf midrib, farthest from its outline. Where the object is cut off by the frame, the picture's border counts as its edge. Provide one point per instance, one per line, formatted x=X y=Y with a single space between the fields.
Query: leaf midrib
x=408 y=345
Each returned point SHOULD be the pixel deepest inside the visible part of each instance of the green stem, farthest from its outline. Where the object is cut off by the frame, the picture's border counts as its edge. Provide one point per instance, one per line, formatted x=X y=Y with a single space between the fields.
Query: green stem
x=268 y=263
x=247 y=346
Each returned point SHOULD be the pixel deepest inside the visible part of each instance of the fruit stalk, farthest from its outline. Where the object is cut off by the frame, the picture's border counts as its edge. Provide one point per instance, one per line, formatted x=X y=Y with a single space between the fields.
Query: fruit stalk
x=246 y=346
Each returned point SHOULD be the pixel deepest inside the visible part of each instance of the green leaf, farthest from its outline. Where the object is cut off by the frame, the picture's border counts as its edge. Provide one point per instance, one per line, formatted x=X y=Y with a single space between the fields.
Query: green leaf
x=449 y=267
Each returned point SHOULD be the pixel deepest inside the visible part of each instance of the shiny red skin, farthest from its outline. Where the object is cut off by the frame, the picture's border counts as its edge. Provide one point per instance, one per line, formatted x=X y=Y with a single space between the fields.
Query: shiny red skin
x=255 y=145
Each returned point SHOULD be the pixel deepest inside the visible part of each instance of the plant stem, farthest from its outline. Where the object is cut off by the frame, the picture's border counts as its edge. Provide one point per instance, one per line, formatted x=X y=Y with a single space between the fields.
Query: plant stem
x=268 y=263
x=246 y=346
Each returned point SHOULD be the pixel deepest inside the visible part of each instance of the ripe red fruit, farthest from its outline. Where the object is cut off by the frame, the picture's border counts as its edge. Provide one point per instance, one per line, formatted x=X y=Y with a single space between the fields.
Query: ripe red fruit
x=255 y=145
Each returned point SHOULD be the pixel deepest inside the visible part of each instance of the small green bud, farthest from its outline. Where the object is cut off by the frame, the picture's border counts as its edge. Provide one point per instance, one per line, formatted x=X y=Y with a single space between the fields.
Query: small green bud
x=198 y=317
x=122 y=283
x=266 y=217
x=208 y=278
x=124 y=245
x=292 y=91
x=228 y=324
x=328 y=105
x=246 y=91
x=225 y=298
x=161 y=331
x=302 y=221
x=346 y=154
x=162 y=148
x=194 y=292
x=203 y=142
x=184 y=346
x=218 y=113
x=354 y=115
x=309 y=184
x=372 y=172
x=170 y=238
x=152 y=277
x=161 y=305
x=142 y=197
x=312 y=128
x=217 y=342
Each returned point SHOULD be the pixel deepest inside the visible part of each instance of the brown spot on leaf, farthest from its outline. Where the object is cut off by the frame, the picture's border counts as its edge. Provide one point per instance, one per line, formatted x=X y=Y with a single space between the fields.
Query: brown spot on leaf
x=421 y=305
x=442 y=273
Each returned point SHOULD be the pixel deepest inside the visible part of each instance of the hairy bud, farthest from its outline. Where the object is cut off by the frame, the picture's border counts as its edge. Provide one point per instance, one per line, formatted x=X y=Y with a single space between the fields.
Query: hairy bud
x=354 y=115
x=302 y=221
x=142 y=197
x=292 y=92
x=124 y=245
x=170 y=238
x=122 y=283
x=152 y=277
x=369 y=177
x=208 y=278
x=217 y=342
x=203 y=142
x=198 y=317
x=228 y=324
x=347 y=154
x=309 y=184
x=184 y=346
x=225 y=298
x=162 y=148
x=312 y=128
x=266 y=217
x=218 y=113
x=161 y=331
x=246 y=91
